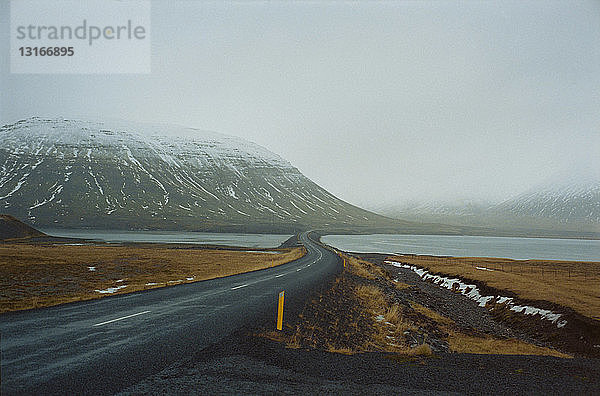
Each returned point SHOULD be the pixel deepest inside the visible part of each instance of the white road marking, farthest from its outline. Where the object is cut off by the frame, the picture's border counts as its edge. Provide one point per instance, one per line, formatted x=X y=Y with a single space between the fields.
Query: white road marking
x=124 y=317
x=280 y=275
x=238 y=287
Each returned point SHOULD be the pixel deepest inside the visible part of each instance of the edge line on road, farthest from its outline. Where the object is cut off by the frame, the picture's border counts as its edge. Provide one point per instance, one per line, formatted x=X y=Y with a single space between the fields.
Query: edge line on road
x=124 y=317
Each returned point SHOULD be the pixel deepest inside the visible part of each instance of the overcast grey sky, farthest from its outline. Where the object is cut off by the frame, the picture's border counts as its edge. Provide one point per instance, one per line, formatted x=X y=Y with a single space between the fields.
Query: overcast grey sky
x=373 y=101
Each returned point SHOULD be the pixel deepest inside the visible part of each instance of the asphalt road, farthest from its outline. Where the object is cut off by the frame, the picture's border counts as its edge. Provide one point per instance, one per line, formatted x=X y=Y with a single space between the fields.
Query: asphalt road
x=106 y=345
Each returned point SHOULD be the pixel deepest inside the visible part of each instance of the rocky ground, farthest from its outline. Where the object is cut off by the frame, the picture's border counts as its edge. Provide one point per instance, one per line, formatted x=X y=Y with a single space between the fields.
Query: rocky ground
x=243 y=364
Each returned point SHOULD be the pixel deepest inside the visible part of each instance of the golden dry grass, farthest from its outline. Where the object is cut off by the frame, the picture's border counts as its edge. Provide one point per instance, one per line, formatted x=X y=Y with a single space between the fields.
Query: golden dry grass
x=358 y=269
x=371 y=297
x=420 y=350
x=431 y=314
x=343 y=351
x=569 y=283
x=389 y=329
x=384 y=324
x=388 y=334
x=464 y=343
x=401 y=285
x=363 y=268
x=393 y=314
x=34 y=276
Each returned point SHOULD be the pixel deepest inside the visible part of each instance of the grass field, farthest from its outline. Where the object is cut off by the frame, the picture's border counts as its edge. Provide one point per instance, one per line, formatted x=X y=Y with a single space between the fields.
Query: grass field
x=366 y=310
x=461 y=342
x=394 y=324
x=33 y=276
x=569 y=283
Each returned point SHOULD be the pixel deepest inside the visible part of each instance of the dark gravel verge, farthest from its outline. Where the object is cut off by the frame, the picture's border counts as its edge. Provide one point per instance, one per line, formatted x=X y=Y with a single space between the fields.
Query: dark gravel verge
x=243 y=364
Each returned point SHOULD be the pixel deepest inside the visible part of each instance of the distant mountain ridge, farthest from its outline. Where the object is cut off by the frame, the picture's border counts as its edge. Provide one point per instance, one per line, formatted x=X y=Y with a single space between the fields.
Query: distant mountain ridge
x=567 y=203
x=119 y=175
x=563 y=204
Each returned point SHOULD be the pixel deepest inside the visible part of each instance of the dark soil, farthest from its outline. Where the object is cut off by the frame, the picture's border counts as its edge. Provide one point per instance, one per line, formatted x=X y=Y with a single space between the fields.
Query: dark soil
x=242 y=364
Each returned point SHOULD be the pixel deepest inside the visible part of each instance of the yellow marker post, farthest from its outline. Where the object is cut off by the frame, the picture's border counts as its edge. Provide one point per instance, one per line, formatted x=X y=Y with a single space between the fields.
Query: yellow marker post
x=280 y=311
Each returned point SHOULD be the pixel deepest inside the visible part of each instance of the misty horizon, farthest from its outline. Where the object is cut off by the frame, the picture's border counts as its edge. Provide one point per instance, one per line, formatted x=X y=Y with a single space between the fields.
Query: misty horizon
x=378 y=103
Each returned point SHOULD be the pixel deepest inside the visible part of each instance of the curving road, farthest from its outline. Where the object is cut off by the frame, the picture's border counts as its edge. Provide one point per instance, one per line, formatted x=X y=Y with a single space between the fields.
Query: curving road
x=105 y=345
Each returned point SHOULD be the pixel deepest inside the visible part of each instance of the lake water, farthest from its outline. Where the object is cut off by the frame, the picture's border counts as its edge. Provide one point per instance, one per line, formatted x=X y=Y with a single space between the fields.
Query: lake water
x=201 y=238
x=469 y=246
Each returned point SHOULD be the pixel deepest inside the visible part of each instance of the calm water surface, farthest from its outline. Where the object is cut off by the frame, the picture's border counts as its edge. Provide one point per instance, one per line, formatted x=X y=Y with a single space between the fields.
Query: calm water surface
x=246 y=240
x=476 y=246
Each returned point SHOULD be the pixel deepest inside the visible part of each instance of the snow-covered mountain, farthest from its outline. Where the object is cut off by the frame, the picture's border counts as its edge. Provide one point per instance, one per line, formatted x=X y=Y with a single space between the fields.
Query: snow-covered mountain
x=463 y=212
x=438 y=208
x=68 y=173
x=566 y=202
x=570 y=203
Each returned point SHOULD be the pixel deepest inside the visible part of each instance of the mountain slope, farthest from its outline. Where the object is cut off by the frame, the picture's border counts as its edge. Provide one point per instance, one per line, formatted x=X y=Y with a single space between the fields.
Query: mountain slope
x=569 y=204
x=11 y=228
x=566 y=203
x=67 y=173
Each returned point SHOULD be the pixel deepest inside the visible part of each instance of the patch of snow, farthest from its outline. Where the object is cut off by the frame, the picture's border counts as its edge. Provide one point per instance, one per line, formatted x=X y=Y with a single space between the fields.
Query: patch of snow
x=111 y=289
x=295 y=206
x=484 y=269
x=267 y=194
x=151 y=284
x=17 y=187
x=544 y=313
x=37 y=164
x=155 y=180
x=57 y=191
x=471 y=291
x=231 y=193
x=275 y=188
x=242 y=213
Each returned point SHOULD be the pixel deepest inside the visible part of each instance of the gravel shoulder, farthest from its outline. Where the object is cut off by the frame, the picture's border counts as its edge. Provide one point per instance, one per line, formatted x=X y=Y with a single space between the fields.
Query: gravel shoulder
x=243 y=364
